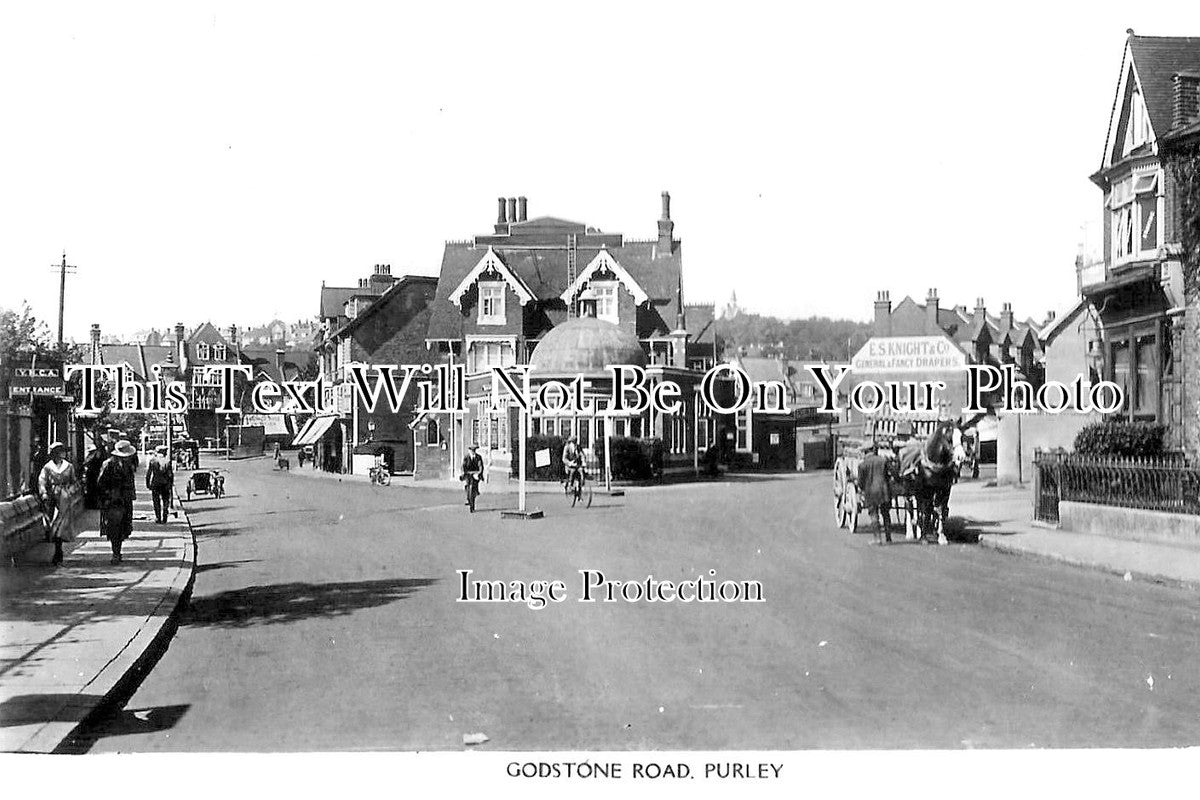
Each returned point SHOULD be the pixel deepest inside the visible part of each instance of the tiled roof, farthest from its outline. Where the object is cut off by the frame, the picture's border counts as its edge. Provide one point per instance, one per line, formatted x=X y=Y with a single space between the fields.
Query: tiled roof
x=701 y=323
x=393 y=290
x=263 y=358
x=544 y=270
x=1157 y=59
x=333 y=298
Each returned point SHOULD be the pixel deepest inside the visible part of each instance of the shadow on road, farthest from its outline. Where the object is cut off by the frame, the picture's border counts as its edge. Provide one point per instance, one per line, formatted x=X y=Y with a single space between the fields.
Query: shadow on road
x=224 y=565
x=125 y=722
x=291 y=602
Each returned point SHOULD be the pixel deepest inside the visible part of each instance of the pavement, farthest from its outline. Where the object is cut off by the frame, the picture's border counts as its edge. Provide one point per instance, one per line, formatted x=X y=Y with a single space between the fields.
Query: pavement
x=76 y=640
x=1002 y=518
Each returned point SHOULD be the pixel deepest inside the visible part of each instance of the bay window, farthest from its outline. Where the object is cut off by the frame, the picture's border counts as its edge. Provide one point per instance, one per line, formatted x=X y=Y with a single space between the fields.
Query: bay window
x=1135 y=216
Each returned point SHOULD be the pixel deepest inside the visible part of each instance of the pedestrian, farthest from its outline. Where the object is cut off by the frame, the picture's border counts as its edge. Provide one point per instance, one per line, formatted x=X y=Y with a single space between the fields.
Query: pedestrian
x=57 y=476
x=160 y=480
x=37 y=459
x=277 y=453
x=472 y=471
x=117 y=492
x=876 y=492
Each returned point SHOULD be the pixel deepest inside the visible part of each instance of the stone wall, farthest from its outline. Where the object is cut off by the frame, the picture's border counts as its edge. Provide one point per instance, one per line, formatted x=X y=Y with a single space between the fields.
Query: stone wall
x=21 y=521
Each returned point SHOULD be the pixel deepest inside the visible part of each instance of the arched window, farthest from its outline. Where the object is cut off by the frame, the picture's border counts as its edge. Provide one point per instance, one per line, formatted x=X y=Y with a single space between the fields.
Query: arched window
x=432 y=435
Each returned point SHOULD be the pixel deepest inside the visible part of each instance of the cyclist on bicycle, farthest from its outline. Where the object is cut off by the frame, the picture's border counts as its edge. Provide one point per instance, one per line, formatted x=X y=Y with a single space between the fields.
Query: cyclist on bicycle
x=572 y=459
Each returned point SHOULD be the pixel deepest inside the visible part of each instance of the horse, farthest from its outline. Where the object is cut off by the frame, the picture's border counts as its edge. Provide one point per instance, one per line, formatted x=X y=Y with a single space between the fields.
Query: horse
x=928 y=471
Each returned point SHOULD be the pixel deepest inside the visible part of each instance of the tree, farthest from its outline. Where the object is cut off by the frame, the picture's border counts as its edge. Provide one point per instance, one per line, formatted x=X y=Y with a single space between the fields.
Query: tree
x=23 y=335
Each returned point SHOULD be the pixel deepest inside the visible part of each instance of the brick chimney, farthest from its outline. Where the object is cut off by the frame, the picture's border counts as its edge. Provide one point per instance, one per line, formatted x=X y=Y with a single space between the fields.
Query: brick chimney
x=95 y=343
x=279 y=363
x=666 y=228
x=501 y=216
x=1006 y=317
x=180 y=353
x=932 y=307
x=883 y=314
x=381 y=275
x=512 y=209
x=1185 y=103
x=233 y=340
x=522 y=205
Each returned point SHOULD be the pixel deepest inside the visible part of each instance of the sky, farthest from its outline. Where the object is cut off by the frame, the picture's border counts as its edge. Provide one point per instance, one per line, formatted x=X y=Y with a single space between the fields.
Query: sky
x=218 y=161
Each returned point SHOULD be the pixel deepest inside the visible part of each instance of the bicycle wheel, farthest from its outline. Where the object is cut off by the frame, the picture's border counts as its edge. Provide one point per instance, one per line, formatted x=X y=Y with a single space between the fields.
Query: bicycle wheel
x=385 y=477
x=575 y=493
x=588 y=491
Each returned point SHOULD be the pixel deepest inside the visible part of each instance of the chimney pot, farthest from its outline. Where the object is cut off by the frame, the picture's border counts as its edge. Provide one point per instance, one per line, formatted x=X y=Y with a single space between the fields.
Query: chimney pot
x=522 y=205
x=512 y=209
x=666 y=205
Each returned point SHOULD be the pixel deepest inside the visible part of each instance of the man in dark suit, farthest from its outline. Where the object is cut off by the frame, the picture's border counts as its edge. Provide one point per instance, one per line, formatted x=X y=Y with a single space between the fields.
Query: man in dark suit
x=876 y=494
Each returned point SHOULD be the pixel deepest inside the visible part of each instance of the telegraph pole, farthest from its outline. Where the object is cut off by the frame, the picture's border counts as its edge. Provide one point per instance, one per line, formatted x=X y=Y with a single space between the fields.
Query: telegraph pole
x=63 y=269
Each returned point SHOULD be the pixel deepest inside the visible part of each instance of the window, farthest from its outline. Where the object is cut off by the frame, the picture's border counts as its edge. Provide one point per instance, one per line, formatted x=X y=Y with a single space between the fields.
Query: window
x=1135 y=365
x=219 y=352
x=1145 y=394
x=585 y=434
x=484 y=353
x=432 y=435
x=1135 y=216
x=742 y=420
x=1137 y=129
x=202 y=351
x=491 y=303
x=605 y=295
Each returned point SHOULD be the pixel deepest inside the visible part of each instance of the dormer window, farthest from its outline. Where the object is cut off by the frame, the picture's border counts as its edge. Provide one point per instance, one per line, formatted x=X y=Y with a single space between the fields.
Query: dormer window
x=491 y=303
x=202 y=352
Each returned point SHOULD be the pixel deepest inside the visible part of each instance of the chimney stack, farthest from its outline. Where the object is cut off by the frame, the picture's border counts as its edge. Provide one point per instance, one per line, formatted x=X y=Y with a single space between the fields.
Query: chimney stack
x=179 y=351
x=522 y=204
x=95 y=343
x=666 y=228
x=512 y=209
x=932 y=309
x=501 y=216
x=279 y=353
x=1185 y=102
x=1006 y=316
x=233 y=341
x=883 y=314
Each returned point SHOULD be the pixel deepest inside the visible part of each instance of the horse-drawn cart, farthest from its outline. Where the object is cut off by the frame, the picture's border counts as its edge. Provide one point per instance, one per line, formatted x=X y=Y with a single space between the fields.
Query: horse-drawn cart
x=847 y=499
x=921 y=472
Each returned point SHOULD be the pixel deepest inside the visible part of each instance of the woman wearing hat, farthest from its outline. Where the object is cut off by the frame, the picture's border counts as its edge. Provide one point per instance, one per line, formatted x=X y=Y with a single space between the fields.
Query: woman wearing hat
x=117 y=491
x=56 y=476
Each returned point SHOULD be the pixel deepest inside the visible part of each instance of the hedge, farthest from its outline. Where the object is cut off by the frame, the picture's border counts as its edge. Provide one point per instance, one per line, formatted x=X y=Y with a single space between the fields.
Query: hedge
x=1120 y=438
x=553 y=472
x=633 y=459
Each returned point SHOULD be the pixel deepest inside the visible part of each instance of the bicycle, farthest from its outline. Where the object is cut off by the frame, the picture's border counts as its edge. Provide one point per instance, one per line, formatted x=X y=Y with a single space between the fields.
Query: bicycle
x=472 y=487
x=380 y=475
x=578 y=488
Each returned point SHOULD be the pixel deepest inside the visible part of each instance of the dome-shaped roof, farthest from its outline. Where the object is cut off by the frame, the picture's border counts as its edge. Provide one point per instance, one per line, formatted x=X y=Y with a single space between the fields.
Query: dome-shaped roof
x=585 y=346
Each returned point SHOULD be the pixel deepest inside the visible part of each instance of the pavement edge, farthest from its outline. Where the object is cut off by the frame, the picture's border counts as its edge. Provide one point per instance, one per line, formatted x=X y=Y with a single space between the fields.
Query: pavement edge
x=120 y=678
x=996 y=543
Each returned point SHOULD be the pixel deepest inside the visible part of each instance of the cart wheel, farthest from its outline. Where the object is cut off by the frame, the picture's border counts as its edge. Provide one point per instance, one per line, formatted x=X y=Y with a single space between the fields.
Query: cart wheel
x=850 y=501
x=839 y=511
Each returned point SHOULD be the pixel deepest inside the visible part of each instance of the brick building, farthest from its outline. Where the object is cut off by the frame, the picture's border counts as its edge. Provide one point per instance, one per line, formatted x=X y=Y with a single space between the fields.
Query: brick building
x=500 y=294
x=1139 y=293
x=382 y=321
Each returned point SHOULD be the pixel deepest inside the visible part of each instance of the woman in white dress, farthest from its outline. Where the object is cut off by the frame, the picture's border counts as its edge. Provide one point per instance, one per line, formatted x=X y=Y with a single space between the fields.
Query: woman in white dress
x=55 y=478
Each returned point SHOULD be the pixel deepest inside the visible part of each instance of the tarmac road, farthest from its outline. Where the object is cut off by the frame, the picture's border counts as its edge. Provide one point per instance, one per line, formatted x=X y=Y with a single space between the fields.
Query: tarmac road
x=324 y=618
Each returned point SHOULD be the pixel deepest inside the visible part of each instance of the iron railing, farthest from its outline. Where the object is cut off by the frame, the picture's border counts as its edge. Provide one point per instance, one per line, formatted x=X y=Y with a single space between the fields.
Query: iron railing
x=1166 y=483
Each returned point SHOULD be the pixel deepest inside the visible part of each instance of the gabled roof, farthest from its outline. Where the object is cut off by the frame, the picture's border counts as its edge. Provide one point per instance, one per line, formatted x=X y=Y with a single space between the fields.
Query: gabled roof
x=1152 y=61
x=1051 y=331
x=701 y=323
x=604 y=260
x=1157 y=60
x=491 y=262
x=543 y=269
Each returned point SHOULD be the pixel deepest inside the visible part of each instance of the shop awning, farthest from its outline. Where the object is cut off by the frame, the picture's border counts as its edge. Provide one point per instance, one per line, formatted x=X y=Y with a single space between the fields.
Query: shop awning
x=313 y=430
